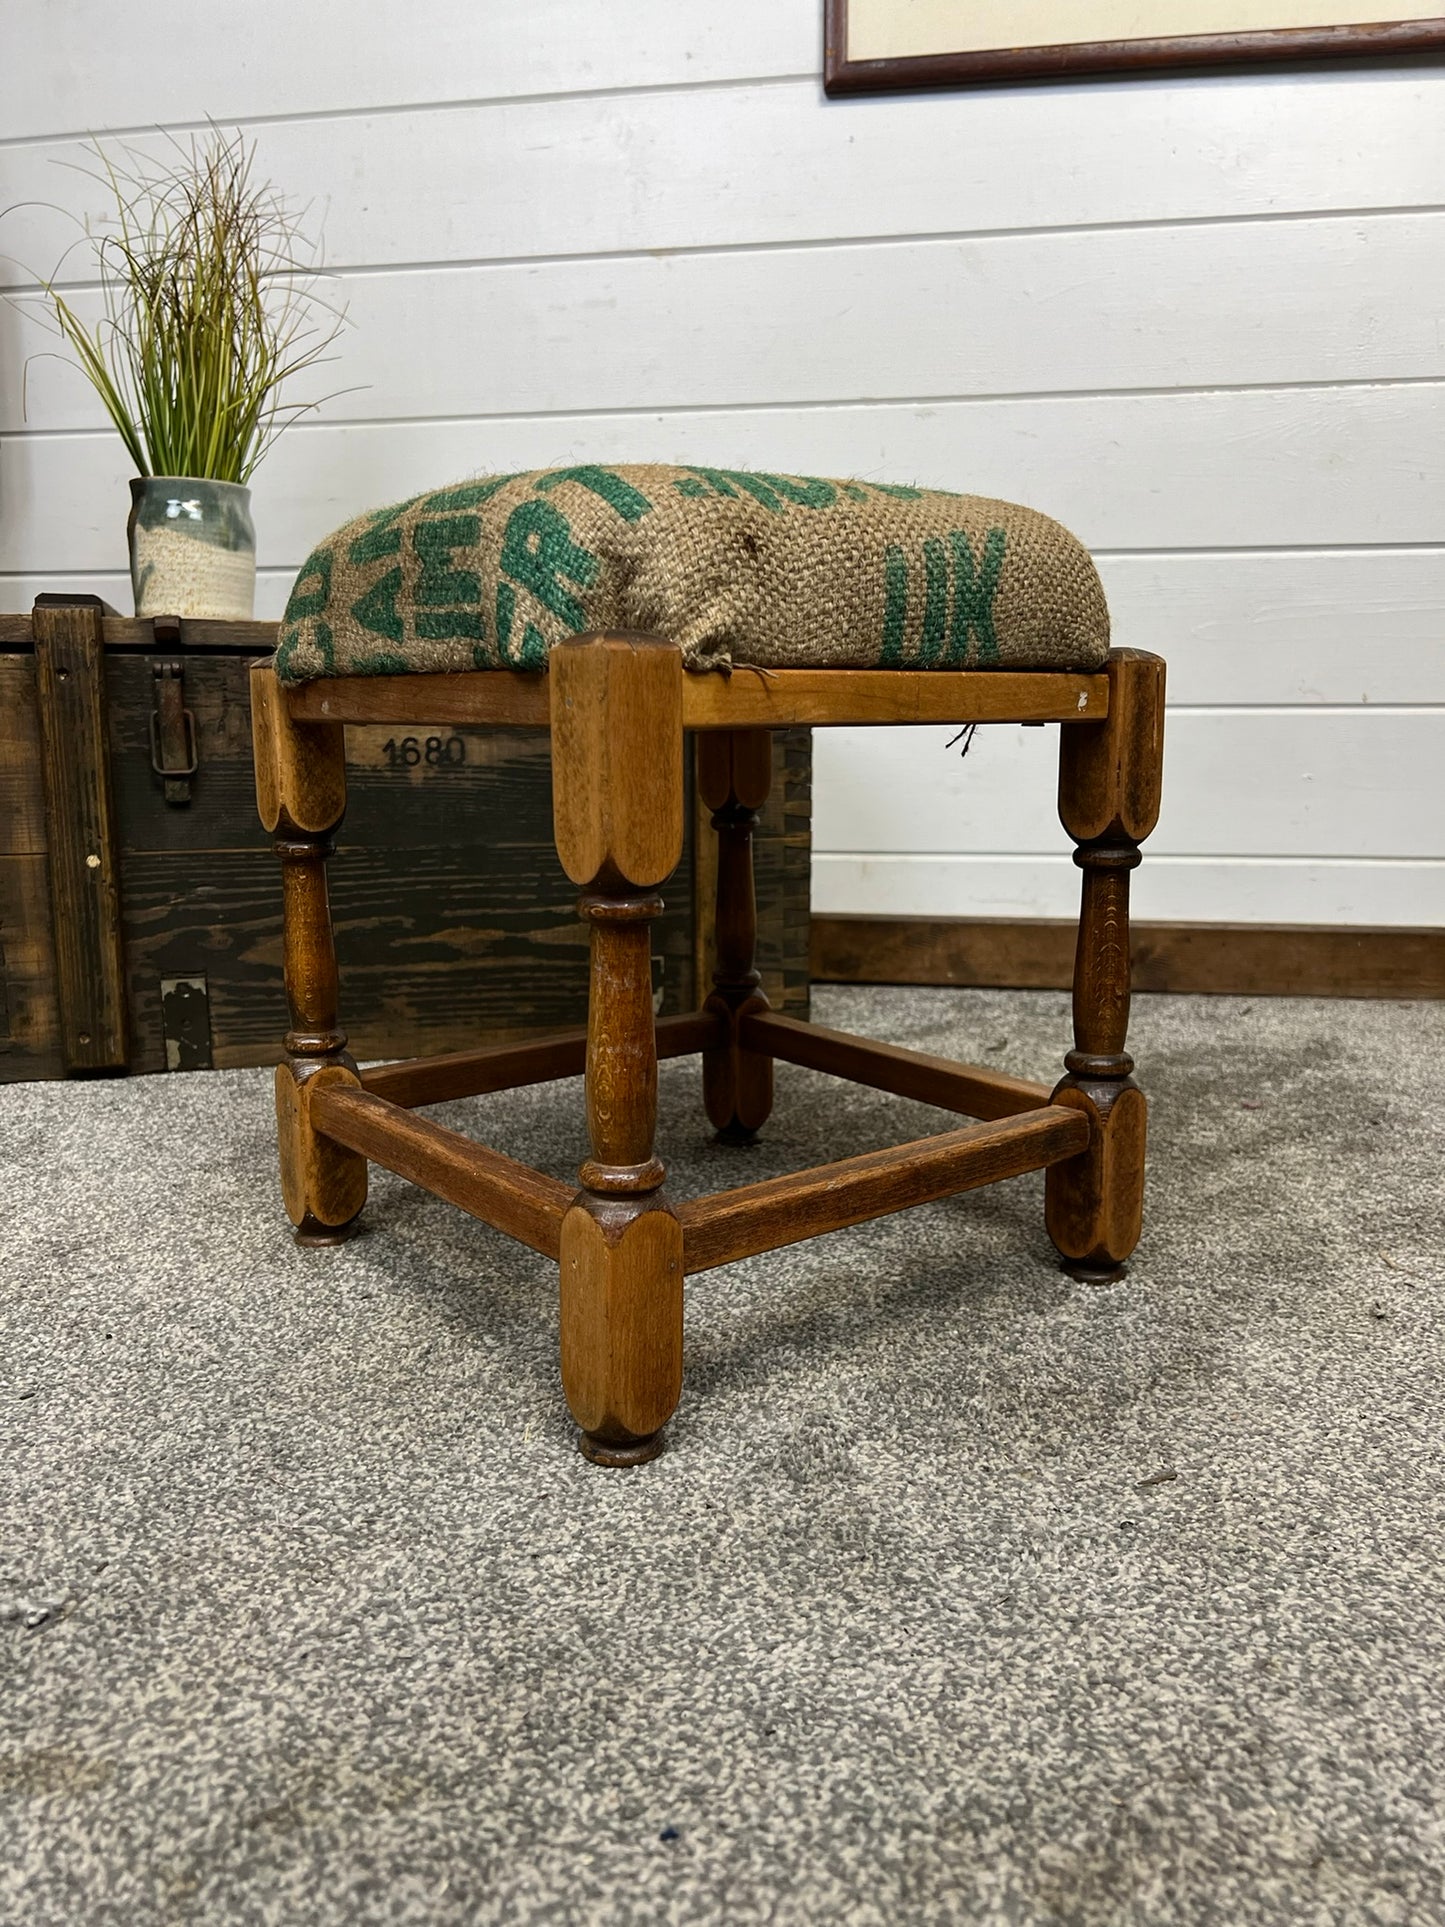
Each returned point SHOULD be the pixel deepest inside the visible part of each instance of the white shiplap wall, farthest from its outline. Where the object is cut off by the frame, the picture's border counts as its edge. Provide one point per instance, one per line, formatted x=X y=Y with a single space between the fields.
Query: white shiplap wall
x=1202 y=320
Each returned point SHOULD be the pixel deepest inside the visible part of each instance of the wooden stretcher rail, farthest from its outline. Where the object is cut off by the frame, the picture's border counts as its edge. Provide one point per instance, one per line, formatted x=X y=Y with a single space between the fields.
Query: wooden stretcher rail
x=782 y=698
x=526 y=1204
x=747 y=699
x=970 y=1089
x=501 y=697
x=507 y=1067
x=785 y=1211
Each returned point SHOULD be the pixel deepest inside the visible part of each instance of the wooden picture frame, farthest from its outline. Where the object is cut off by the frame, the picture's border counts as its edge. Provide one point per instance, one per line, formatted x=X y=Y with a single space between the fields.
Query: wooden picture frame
x=903 y=50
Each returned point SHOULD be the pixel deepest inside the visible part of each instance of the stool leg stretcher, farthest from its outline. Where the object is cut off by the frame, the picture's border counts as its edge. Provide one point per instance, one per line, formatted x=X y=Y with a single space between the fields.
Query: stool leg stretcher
x=617 y=706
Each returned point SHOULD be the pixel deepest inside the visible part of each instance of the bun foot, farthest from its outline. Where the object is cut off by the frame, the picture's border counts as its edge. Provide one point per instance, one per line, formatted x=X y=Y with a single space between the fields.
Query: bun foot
x=311 y=1234
x=620 y=1452
x=1088 y=1274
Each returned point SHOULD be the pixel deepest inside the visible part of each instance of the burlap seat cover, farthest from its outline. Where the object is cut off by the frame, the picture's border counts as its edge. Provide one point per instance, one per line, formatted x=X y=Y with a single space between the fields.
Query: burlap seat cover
x=783 y=571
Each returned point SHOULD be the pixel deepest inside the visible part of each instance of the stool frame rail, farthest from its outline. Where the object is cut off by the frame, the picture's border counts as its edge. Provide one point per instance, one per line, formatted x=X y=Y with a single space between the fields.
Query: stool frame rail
x=617 y=706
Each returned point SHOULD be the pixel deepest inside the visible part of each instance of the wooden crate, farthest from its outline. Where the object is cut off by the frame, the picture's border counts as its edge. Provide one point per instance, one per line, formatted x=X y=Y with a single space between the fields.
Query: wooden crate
x=454 y=923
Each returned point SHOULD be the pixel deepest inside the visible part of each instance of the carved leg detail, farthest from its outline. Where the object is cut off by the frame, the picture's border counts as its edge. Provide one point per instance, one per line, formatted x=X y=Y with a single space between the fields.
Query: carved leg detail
x=1094 y=1203
x=1109 y=802
x=621 y=1325
x=735 y=774
x=301 y=794
x=323 y=1184
x=617 y=802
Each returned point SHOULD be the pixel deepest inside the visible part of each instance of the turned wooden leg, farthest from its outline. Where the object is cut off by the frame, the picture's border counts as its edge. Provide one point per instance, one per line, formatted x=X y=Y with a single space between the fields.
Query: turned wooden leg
x=734 y=774
x=301 y=795
x=1109 y=787
x=618 y=807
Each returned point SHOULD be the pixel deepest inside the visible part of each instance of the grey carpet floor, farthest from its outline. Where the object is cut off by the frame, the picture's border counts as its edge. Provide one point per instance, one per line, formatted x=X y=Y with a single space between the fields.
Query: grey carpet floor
x=964 y=1592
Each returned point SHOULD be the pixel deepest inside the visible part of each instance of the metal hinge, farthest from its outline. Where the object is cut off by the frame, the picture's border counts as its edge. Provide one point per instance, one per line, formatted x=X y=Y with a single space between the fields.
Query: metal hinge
x=186 y=1023
x=173 y=733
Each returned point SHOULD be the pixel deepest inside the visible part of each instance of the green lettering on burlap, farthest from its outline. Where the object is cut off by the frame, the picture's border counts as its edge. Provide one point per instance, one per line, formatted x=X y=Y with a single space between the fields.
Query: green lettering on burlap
x=808 y=491
x=716 y=481
x=304 y=602
x=895 y=606
x=630 y=503
x=935 y=605
x=727 y=481
x=974 y=589
x=471 y=495
x=773 y=491
x=325 y=644
x=449 y=601
x=320 y=638
x=377 y=610
x=538 y=553
x=690 y=485
x=441 y=586
x=532 y=653
x=381 y=536
x=374 y=545
x=449 y=625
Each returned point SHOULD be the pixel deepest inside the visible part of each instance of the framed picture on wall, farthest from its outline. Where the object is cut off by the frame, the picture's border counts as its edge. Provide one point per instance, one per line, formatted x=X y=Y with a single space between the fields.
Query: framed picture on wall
x=882 y=46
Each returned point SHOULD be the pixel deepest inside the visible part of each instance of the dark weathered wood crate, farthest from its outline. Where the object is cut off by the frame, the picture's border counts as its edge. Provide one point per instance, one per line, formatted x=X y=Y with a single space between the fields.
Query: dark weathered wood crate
x=455 y=924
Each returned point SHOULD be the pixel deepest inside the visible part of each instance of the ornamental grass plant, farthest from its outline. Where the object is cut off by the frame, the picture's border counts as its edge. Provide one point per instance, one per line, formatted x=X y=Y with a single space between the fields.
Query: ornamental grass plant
x=210 y=307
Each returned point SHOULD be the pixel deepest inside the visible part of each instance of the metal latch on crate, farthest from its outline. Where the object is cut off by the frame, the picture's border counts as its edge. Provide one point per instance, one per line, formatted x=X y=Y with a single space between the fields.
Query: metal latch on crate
x=173 y=733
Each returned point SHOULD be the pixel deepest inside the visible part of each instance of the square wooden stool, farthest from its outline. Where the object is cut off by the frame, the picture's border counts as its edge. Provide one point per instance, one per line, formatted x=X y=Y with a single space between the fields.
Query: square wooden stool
x=618 y=706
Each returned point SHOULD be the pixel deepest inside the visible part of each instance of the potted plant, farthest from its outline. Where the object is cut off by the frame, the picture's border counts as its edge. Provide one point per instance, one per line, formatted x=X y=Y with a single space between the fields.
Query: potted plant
x=209 y=310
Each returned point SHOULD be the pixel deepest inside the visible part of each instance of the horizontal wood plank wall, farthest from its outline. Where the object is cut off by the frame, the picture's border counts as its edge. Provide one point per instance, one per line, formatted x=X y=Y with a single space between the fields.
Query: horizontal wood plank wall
x=1214 y=350
x=1131 y=308
x=1037 y=953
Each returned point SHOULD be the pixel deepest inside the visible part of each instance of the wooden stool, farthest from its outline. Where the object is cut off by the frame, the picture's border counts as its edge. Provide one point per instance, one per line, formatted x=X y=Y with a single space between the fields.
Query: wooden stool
x=618 y=706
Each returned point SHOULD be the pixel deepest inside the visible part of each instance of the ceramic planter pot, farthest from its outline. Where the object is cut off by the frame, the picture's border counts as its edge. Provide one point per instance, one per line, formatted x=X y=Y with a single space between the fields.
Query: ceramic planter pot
x=192 y=547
